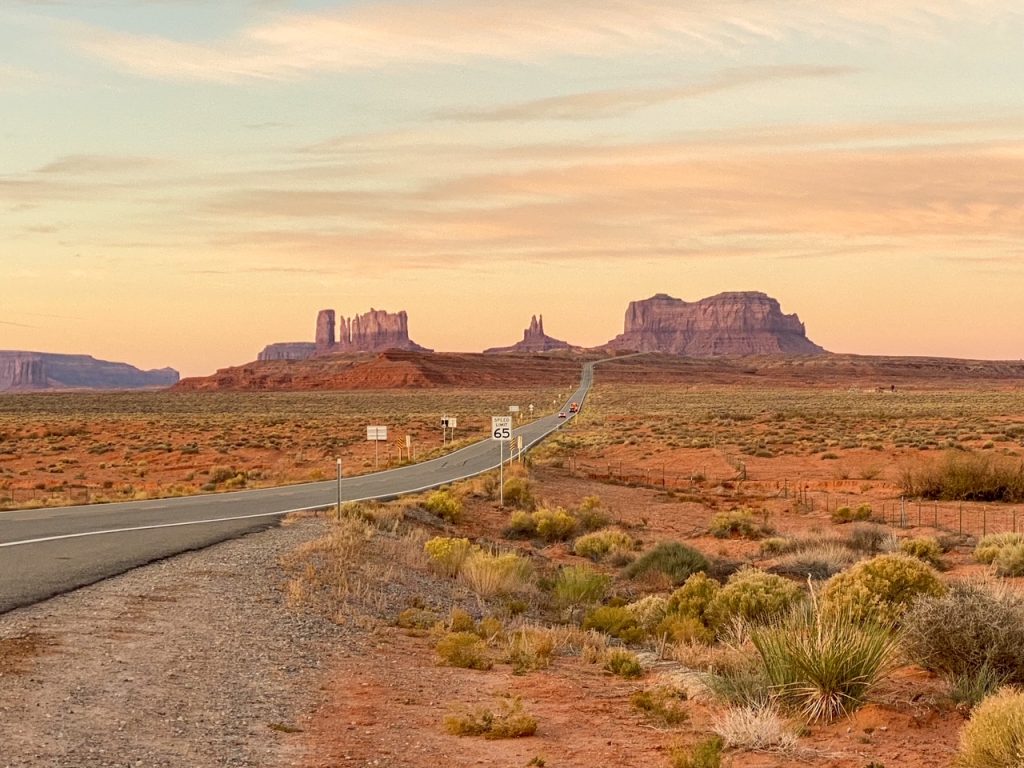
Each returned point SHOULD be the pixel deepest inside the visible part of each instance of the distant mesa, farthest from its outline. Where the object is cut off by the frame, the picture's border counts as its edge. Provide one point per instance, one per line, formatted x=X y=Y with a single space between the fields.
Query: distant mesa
x=534 y=341
x=34 y=371
x=733 y=324
x=374 y=331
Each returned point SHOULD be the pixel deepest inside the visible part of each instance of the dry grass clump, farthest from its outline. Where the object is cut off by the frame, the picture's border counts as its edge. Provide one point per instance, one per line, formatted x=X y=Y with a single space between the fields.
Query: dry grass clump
x=446 y=554
x=824 y=662
x=616 y=621
x=1003 y=550
x=648 y=611
x=881 y=589
x=706 y=754
x=490 y=575
x=757 y=728
x=819 y=561
x=994 y=736
x=739 y=524
x=510 y=722
x=663 y=705
x=463 y=649
x=967 y=477
x=530 y=648
x=577 y=585
x=600 y=544
x=843 y=515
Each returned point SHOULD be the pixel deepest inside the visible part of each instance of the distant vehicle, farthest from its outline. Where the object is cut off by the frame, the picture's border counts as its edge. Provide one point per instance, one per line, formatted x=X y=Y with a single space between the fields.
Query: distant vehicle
x=574 y=408
x=562 y=414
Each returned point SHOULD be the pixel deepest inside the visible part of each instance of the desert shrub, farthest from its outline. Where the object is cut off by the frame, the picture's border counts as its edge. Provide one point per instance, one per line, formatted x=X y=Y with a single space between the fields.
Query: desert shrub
x=490 y=628
x=741 y=683
x=521 y=525
x=848 y=515
x=663 y=705
x=623 y=663
x=989 y=547
x=677 y=562
x=681 y=628
x=755 y=728
x=578 y=585
x=1010 y=561
x=868 y=537
x=222 y=474
x=511 y=722
x=971 y=688
x=967 y=477
x=776 y=545
x=616 y=621
x=445 y=505
x=518 y=493
x=648 y=611
x=824 y=663
x=706 y=754
x=599 y=543
x=463 y=649
x=529 y=649
x=460 y=621
x=417 y=618
x=738 y=523
x=924 y=548
x=490 y=575
x=754 y=596
x=970 y=627
x=817 y=562
x=994 y=736
x=694 y=597
x=554 y=524
x=591 y=515
x=446 y=555
x=880 y=589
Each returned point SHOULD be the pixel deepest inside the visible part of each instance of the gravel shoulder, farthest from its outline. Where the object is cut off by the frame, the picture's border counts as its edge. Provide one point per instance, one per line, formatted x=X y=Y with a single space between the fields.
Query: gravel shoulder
x=195 y=660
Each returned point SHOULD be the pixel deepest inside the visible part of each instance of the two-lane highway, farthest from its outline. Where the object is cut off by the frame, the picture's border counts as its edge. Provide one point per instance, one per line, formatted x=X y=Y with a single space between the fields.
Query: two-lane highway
x=44 y=552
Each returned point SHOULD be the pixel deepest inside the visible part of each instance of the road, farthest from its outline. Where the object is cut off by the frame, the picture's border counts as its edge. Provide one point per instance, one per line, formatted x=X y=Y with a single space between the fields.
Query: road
x=44 y=552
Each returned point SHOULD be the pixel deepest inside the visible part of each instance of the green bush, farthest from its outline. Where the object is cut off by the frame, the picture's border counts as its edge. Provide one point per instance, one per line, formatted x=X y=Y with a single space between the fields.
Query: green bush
x=847 y=515
x=680 y=628
x=623 y=663
x=445 y=505
x=463 y=649
x=924 y=548
x=649 y=611
x=824 y=663
x=881 y=589
x=971 y=627
x=578 y=585
x=694 y=597
x=754 y=596
x=616 y=621
x=677 y=562
x=598 y=544
x=994 y=736
x=1010 y=561
x=738 y=523
x=521 y=525
x=509 y=723
x=590 y=515
x=554 y=524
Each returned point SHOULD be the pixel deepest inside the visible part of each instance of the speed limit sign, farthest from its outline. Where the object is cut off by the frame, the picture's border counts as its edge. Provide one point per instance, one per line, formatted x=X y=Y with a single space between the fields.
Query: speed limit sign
x=501 y=427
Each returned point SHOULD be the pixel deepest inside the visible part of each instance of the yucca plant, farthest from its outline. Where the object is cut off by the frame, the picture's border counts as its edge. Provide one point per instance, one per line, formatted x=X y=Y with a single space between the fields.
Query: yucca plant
x=824 y=663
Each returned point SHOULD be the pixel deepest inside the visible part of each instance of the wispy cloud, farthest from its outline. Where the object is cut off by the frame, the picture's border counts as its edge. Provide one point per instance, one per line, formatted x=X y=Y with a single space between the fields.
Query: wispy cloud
x=608 y=103
x=378 y=34
x=86 y=165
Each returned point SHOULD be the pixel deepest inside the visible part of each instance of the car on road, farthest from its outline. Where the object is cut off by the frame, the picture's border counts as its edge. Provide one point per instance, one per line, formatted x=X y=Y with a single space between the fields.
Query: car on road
x=562 y=414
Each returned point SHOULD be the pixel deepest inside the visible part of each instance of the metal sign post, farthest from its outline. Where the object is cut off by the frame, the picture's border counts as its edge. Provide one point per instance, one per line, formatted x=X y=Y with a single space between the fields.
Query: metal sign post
x=501 y=430
x=339 y=487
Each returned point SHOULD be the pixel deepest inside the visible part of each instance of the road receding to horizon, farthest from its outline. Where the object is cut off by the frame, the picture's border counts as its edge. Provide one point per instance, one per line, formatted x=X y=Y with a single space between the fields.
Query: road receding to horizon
x=45 y=552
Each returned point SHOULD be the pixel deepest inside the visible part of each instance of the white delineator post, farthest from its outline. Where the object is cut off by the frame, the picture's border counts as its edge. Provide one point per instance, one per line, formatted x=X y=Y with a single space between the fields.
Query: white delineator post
x=339 y=486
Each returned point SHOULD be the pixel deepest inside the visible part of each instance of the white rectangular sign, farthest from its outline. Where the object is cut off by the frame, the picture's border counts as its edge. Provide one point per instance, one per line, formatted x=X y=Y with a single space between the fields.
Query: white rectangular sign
x=376 y=433
x=501 y=427
x=449 y=422
x=513 y=409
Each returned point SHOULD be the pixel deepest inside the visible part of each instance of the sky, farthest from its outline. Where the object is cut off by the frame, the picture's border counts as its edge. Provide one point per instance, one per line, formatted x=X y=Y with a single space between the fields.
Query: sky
x=183 y=182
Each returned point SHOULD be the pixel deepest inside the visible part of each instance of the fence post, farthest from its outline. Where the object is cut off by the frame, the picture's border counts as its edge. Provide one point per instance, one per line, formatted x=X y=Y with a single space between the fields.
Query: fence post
x=984 y=521
x=961 y=518
x=1015 y=521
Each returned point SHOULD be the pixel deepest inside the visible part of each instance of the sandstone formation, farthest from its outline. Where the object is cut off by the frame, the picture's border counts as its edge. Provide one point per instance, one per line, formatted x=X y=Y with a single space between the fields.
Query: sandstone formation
x=374 y=331
x=534 y=341
x=740 y=323
x=26 y=371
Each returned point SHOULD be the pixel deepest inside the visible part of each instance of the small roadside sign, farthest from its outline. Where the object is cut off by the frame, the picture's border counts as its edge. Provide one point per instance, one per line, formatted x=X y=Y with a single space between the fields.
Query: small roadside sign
x=501 y=427
x=449 y=422
x=513 y=409
x=376 y=433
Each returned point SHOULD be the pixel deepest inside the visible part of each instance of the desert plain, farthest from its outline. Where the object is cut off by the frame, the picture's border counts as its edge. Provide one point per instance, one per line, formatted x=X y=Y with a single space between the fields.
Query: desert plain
x=406 y=654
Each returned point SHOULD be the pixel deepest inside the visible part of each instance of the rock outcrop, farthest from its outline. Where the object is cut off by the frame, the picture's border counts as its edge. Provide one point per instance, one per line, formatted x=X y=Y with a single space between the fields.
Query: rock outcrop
x=26 y=371
x=288 y=350
x=740 y=323
x=534 y=341
x=374 y=331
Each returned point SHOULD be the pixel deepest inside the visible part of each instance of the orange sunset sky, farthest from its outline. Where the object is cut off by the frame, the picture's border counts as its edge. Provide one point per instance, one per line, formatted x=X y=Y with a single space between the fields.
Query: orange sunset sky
x=182 y=182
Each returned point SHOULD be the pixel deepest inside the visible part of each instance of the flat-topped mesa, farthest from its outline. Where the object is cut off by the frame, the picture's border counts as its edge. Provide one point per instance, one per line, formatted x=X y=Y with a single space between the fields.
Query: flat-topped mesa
x=288 y=350
x=737 y=323
x=374 y=331
x=534 y=340
x=44 y=370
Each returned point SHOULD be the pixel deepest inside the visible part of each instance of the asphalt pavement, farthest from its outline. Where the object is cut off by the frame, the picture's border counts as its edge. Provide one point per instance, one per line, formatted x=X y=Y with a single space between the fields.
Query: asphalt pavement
x=44 y=552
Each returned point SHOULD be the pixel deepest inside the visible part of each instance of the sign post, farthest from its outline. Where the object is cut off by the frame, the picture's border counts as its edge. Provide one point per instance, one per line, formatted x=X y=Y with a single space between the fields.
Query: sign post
x=376 y=434
x=339 y=487
x=501 y=430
